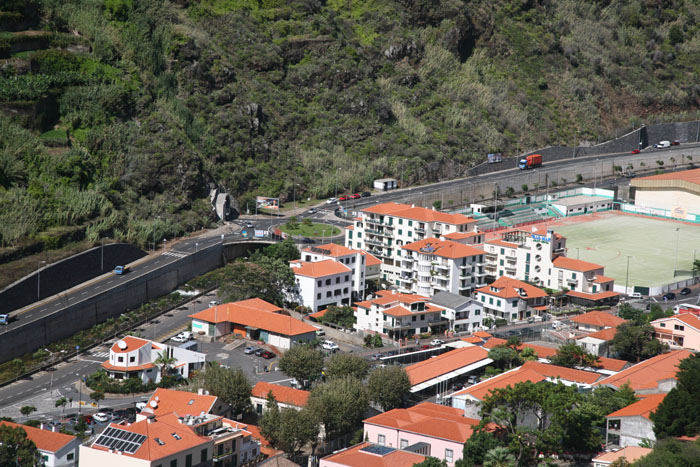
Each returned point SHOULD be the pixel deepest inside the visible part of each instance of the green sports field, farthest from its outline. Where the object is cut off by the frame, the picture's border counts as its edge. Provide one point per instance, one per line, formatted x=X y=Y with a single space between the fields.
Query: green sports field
x=608 y=239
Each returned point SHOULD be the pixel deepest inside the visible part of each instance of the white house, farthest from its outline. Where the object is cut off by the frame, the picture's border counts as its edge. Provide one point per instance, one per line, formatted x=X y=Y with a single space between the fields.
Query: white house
x=463 y=313
x=382 y=230
x=399 y=315
x=632 y=425
x=353 y=259
x=511 y=299
x=321 y=284
x=286 y=397
x=430 y=266
x=133 y=357
x=55 y=449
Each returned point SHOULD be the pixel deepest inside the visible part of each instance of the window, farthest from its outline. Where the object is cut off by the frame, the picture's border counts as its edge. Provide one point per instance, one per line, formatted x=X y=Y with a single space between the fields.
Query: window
x=448 y=455
x=663 y=325
x=173 y=463
x=404 y=444
x=69 y=457
x=347 y=278
x=188 y=460
x=120 y=359
x=490 y=300
x=319 y=283
x=413 y=318
x=498 y=303
x=328 y=282
x=678 y=327
x=501 y=262
x=318 y=296
x=204 y=456
x=329 y=294
x=258 y=408
x=337 y=280
x=503 y=251
x=614 y=424
x=410 y=233
x=132 y=359
x=515 y=303
x=410 y=223
x=381 y=439
x=400 y=221
x=345 y=290
x=573 y=275
x=400 y=232
x=349 y=233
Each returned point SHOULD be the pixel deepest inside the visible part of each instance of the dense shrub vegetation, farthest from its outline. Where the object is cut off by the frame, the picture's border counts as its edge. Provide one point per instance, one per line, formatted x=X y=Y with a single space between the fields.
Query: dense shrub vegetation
x=160 y=100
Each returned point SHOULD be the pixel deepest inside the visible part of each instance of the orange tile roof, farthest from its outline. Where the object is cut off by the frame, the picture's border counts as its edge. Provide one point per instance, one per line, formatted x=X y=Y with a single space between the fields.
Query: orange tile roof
x=162 y=428
x=601 y=279
x=507 y=287
x=592 y=296
x=364 y=304
x=349 y=227
x=630 y=453
x=418 y=213
x=132 y=343
x=45 y=440
x=692 y=176
x=494 y=341
x=334 y=250
x=560 y=372
x=428 y=419
x=575 y=264
x=642 y=408
x=254 y=313
x=180 y=402
x=443 y=248
x=283 y=394
x=483 y=334
x=510 y=378
x=265 y=446
x=687 y=318
x=646 y=375
x=473 y=340
x=318 y=314
x=612 y=364
x=109 y=367
x=502 y=243
x=606 y=334
x=355 y=457
x=372 y=260
x=461 y=235
x=599 y=318
x=449 y=361
x=399 y=310
x=327 y=267
x=540 y=350
x=388 y=296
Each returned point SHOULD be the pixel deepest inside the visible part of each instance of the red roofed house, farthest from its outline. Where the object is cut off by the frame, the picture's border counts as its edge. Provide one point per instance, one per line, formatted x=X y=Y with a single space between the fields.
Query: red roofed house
x=355 y=260
x=55 y=449
x=372 y=455
x=164 y=401
x=632 y=425
x=596 y=321
x=539 y=257
x=399 y=315
x=133 y=357
x=285 y=396
x=599 y=342
x=253 y=319
x=511 y=299
x=321 y=284
x=430 y=266
x=653 y=376
x=384 y=228
x=446 y=367
x=631 y=454
x=679 y=331
x=443 y=430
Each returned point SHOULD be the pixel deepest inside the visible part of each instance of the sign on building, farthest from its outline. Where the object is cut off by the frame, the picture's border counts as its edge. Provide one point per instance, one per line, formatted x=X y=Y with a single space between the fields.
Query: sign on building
x=263 y=202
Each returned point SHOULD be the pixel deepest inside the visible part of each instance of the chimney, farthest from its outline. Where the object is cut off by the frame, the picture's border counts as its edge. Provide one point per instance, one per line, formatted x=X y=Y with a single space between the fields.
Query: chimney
x=433 y=208
x=53 y=428
x=200 y=391
x=42 y=426
x=413 y=205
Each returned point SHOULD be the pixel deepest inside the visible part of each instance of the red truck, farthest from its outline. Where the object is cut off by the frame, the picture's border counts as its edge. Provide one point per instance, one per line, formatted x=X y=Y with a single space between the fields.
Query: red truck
x=530 y=162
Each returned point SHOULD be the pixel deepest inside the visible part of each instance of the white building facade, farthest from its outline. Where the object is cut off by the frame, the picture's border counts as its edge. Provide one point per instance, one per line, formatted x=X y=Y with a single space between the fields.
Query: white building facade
x=323 y=283
x=353 y=259
x=462 y=313
x=511 y=300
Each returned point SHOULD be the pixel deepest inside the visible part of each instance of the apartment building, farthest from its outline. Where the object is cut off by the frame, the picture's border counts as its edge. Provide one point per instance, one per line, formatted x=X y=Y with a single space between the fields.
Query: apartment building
x=323 y=283
x=355 y=260
x=462 y=313
x=382 y=230
x=399 y=315
x=430 y=266
x=540 y=257
x=512 y=300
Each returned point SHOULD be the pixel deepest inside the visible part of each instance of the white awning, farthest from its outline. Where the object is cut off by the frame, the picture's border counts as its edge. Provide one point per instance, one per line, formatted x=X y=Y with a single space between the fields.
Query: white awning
x=452 y=374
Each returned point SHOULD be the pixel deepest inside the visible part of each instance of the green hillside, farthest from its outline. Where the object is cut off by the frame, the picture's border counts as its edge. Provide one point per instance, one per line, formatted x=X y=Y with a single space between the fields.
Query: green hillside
x=118 y=115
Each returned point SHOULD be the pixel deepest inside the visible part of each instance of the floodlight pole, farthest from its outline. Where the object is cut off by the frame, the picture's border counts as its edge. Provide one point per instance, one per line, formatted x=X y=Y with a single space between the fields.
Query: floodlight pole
x=627 y=278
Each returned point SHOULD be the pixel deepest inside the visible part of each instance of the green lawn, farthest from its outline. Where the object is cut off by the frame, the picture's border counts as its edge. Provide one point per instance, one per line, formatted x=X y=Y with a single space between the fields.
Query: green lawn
x=313 y=230
x=651 y=244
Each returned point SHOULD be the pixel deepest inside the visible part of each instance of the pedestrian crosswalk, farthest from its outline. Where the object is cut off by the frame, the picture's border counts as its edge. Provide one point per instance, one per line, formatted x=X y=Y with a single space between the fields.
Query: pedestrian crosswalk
x=100 y=354
x=176 y=254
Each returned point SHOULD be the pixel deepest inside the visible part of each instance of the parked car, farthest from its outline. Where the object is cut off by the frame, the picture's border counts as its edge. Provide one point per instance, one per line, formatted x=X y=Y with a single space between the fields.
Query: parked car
x=636 y=151
x=249 y=224
x=331 y=200
x=635 y=295
x=330 y=345
x=267 y=355
x=54 y=424
x=669 y=296
x=343 y=198
x=259 y=352
x=4 y=319
x=685 y=291
x=675 y=142
x=213 y=303
x=320 y=332
x=436 y=342
x=312 y=211
x=184 y=336
x=425 y=347
x=115 y=416
x=365 y=194
x=355 y=196
x=101 y=417
x=250 y=350
x=376 y=356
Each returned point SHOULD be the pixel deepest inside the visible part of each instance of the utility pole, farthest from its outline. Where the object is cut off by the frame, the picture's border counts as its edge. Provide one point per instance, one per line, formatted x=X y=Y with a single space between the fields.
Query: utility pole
x=675 y=258
x=627 y=277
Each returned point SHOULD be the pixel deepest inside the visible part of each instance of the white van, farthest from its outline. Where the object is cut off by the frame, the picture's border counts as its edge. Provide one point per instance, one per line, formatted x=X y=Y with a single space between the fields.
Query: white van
x=663 y=144
x=213 y=303
x=635 y=295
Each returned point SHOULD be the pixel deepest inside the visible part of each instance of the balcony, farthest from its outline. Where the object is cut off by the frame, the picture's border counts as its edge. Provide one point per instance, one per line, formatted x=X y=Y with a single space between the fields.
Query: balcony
x=510 y=269
x=374 y=231
x=420 y=229
x=397 y=326
x=408 y=259
x=223 y=456
x=488 y=255
x=442 y=265
x=371 y=241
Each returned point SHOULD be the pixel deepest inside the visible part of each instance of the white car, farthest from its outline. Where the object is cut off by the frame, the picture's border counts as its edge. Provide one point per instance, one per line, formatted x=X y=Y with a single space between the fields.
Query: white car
x=436 y=342
x=331 y=200
x=101 y=417
x=184 y=336
x=330 y=345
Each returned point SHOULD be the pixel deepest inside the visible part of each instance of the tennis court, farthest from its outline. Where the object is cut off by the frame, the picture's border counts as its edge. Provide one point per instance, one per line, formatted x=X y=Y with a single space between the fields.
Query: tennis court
x=609 y=238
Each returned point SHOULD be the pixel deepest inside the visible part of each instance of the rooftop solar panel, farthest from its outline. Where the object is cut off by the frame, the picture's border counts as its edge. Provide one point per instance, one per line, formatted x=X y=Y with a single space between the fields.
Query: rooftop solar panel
x=378 y=450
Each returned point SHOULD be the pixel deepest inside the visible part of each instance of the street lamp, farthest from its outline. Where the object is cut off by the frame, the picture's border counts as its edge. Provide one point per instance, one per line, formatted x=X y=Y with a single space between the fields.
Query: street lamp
x=196 y=247
x=38 y=280
x=675 y=259
x=165 y=245
x=627 y=277
x=294 y=195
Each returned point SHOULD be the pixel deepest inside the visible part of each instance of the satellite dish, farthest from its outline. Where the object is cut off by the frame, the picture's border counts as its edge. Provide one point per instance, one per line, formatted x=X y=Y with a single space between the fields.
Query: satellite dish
x=122 y=345
x=153 y=404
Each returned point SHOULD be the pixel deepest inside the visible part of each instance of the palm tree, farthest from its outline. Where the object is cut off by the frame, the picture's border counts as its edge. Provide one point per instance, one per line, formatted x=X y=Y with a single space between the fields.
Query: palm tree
x=499 y=457
x=164 y=362
x=62 y=402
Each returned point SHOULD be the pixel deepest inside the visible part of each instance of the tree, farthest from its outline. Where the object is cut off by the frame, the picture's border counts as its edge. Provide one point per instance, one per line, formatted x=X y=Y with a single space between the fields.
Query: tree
x=164 y=362
x=671 y=452
x=478 y=444
x=572 y=355
x=631 y=313
x=431 y=462
x=16 y=449
x=635 y=342
x=437 y=204
x=524 y=187
x=284 y=251
x=679 y=412
x=290 y=429
x=509 y=191
x=97 y=396
x=499 y=457
x=340 y=315
x=270 y=420
x=16 y=367
x=528 y=353
x=269 y=279
x=340 y=405
x=232 y=386
x=387 y=386
x=505 y=357
x=340 y=365
x=61 y=402
x=302 y=362
x=26 y=410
